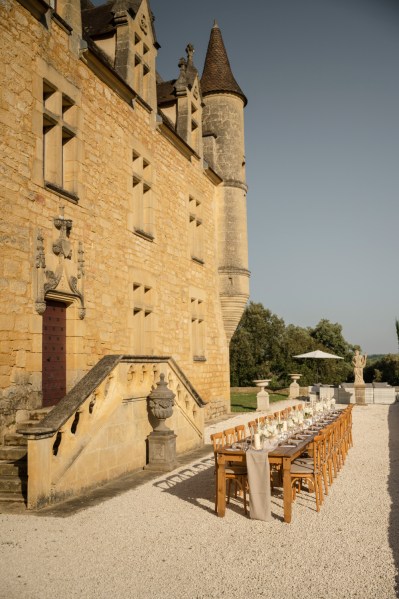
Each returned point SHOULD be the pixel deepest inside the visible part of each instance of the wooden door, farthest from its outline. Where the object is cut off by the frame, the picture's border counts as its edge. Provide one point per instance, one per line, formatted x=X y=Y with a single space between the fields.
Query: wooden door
x=54 y=353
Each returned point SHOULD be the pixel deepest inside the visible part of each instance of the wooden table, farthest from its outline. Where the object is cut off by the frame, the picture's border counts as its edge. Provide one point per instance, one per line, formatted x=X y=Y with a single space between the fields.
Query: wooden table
x=281 y=455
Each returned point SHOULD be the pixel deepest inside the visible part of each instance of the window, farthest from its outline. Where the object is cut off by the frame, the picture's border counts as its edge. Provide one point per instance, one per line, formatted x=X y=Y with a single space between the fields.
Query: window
x=143 y=319
x=195 y=223
x=142 y=68
x=142 y=209
x=197 y=329
x=59 y=140
x=195 y=115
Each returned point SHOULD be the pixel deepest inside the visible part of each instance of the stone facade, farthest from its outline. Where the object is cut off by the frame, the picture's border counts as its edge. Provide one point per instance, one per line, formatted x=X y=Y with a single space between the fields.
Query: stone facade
x=107 y=204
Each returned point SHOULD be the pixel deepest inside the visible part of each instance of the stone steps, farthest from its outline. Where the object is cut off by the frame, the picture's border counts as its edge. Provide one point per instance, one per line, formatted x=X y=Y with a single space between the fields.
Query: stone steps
x=12 y=498
x=38 y=414
x=11 y=453
x=13 y=460
x=13 y=468
x=13 y=484
x=15 y=440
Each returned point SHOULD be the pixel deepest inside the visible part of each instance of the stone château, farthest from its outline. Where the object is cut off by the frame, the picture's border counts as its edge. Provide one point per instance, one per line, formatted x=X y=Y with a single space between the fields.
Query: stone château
x=123 y=235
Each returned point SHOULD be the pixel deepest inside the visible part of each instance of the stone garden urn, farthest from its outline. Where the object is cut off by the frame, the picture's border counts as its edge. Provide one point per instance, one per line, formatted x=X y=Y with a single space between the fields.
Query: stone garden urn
x=160 y=403
x=162 y=440
x=294 y=387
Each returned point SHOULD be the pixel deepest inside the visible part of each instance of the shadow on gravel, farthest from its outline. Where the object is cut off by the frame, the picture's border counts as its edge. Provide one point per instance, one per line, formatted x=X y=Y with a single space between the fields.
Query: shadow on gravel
x=195 y=484
x=393 y=486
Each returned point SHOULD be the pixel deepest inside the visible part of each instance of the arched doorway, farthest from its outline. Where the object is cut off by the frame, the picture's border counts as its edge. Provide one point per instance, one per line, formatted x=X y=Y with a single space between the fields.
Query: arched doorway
x=54 y=352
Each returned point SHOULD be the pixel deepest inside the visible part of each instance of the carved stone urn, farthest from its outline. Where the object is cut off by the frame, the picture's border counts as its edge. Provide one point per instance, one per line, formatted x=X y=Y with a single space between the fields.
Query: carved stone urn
x=160 y=402
x=162 y=440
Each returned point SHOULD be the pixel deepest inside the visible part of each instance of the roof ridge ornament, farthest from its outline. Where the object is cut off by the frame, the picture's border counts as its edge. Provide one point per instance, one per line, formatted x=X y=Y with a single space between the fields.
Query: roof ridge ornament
x=181 y=81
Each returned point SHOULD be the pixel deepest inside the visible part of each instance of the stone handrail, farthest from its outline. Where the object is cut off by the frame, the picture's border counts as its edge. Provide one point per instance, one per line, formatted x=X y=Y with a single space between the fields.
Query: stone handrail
x=87 y=385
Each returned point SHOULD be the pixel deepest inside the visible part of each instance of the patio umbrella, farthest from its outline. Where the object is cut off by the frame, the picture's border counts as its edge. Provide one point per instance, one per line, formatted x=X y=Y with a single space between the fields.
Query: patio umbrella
x=319 y=355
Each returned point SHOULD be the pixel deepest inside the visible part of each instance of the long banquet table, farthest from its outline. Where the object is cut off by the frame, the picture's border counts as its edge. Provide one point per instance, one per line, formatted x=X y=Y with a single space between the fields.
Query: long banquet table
x=280 y=455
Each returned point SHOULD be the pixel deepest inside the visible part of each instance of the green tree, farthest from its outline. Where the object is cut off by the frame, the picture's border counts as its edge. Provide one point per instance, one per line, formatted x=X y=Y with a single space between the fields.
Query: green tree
x=330 y=336
x=386 y=370
x=261 y=344
x=297 y=340
x=242 y=364
x=263 y=347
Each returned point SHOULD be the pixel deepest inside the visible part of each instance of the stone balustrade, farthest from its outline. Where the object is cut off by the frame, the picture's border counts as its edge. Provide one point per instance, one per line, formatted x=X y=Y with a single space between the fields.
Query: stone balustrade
x=99 y=430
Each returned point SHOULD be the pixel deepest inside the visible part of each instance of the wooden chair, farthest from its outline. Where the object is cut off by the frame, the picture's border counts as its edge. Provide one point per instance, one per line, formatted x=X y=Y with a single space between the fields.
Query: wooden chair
x=240 y=432
x=252 y=425
x=337 y=440
x=311 y=473
x=341 y=440
x=330 y=447
x=230 y=436
x=238 y=474
x=350 y=439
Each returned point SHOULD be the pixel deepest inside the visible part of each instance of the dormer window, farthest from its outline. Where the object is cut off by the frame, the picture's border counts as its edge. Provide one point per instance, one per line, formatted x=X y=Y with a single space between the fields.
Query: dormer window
x=143 y=59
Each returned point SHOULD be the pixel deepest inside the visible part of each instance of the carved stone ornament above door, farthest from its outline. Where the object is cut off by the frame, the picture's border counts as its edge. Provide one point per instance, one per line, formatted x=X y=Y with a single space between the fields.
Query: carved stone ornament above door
x=59 y=273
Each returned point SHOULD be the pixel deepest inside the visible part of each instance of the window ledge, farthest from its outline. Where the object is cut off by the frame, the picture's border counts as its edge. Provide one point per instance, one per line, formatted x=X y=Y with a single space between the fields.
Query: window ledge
x=61 y=192
x=197 y=260
x=143 y=234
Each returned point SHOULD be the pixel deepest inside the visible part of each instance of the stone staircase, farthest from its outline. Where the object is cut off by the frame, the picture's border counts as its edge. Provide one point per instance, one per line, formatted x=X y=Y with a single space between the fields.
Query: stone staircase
x=13 y=461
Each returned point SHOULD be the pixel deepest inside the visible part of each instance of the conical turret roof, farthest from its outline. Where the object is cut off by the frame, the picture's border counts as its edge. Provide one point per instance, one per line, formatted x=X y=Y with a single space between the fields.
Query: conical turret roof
x=217 y=76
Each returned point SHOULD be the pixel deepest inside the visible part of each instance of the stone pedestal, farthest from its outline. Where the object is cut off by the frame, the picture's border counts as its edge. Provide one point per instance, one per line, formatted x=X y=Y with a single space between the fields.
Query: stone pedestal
x=294 y=387
x=161 y=451
x=262 y=398
x=360 y=394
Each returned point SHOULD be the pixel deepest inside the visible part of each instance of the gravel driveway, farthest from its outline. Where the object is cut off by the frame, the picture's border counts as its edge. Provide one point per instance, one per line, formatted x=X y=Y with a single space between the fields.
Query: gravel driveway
x=162 y=539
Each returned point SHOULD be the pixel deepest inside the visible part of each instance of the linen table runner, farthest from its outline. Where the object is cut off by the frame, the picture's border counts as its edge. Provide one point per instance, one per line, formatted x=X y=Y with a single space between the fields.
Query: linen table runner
x=259 y=485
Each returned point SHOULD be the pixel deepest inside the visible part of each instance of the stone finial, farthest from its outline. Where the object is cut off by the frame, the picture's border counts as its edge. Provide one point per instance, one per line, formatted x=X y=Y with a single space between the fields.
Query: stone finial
x=190 y=53
x=191 y=71
x=181 y=82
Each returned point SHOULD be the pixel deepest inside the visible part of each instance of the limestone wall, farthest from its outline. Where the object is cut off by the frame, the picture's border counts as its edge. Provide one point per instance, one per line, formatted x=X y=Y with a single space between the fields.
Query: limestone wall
x=108 y=129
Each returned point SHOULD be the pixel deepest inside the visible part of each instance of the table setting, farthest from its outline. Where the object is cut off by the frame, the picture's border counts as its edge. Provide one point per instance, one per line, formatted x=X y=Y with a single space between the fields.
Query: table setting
x=276 y=439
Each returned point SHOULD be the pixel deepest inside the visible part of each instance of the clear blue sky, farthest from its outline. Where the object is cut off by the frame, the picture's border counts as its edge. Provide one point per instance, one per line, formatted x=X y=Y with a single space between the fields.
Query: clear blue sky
x=322 y=147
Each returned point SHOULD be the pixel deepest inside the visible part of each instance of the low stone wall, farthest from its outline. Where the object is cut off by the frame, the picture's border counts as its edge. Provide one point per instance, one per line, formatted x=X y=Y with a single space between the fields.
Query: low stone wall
x=217 y=409
x=375 y=393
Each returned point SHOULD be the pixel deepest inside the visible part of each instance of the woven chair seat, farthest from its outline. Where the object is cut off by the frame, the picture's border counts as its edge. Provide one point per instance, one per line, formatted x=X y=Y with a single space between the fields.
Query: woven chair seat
x=297 y=468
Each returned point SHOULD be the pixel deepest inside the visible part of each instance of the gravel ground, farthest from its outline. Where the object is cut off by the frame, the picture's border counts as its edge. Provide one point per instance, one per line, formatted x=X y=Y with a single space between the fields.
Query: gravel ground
x=162 y=540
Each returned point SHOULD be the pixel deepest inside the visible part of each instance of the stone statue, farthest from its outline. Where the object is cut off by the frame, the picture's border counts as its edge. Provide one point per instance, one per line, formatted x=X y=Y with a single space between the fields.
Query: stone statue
x=359 y=362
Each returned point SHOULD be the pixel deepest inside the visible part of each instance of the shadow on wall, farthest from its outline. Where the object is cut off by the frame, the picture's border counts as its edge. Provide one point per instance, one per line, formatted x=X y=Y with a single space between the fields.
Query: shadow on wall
x=393 y=486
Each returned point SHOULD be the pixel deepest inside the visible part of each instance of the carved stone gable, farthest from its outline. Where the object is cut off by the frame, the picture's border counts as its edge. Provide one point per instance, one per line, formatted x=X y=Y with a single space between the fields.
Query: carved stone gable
x=59 y=272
